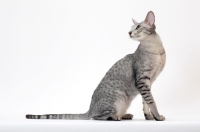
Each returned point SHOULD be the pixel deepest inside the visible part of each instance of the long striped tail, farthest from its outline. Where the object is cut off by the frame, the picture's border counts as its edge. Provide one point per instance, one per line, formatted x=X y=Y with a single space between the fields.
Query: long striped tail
x=60 y=116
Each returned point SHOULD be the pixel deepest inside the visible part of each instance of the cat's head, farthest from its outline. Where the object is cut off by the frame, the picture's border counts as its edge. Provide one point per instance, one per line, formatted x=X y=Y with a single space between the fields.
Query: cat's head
x=141 y=31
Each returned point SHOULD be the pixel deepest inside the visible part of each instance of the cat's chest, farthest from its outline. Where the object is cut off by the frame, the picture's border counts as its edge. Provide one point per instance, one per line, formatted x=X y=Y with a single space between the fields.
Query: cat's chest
x=157 y=65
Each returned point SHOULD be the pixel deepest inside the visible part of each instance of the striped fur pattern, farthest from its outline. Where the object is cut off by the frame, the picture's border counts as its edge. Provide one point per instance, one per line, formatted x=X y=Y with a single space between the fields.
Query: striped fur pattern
x=132 y=75
x=59 y=116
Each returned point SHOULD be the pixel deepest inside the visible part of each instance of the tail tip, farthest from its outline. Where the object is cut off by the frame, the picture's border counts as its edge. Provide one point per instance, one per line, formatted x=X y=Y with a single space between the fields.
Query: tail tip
x=28 y=116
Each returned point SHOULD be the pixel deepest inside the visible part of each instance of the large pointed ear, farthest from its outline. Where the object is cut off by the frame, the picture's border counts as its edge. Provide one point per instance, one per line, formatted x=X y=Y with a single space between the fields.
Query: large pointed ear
x=134 y=21
x=150 y=19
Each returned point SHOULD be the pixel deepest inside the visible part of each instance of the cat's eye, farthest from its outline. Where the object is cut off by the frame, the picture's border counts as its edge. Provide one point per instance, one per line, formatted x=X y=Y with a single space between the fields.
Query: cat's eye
x=137 y=27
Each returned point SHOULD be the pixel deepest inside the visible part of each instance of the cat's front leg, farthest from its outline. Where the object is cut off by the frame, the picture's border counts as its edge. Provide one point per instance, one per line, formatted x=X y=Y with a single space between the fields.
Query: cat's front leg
x=142 y=83
x=147 y=114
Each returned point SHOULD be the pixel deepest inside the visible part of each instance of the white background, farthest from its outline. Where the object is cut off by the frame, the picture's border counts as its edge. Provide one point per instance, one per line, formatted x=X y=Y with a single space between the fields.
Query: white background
x=53 y=54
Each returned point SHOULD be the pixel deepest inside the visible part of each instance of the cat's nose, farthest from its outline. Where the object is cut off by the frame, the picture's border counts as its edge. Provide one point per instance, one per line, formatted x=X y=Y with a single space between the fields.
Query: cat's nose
x=130 y=33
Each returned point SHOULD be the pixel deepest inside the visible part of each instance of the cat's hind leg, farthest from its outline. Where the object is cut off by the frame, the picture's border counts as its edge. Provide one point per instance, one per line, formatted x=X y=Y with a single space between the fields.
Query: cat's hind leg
x=108 y=116
x=127 y=117
x=103 y=109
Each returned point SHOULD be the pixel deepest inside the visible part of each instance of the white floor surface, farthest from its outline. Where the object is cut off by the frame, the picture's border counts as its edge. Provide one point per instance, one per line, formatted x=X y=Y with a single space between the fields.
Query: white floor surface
x=135 y=125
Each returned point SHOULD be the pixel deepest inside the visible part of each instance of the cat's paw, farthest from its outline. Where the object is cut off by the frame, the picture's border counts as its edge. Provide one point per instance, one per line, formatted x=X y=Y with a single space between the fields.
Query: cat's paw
x=149 y=117
x=117 y=118
x=160 y=118
x=114 y=118
x=127 y=117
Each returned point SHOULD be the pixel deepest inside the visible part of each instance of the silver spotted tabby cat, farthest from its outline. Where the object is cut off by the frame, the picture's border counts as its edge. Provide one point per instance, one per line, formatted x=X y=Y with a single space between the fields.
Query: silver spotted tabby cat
x=133 y=74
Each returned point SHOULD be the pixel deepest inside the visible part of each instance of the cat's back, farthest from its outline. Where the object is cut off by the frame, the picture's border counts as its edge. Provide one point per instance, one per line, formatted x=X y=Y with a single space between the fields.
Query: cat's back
x=121 y=70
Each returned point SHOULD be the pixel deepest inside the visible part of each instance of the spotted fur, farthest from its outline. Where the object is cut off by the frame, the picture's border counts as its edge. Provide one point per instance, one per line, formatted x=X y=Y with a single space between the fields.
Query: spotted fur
x=133 y=74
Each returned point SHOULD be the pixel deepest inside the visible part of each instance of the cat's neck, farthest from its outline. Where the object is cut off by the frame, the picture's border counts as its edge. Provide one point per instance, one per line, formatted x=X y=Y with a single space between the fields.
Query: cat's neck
x=152 y=40
x=152 y=44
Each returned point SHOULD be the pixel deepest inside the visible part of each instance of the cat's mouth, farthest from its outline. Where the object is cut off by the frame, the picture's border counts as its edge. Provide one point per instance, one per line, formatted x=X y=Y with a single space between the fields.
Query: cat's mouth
x=135 y=36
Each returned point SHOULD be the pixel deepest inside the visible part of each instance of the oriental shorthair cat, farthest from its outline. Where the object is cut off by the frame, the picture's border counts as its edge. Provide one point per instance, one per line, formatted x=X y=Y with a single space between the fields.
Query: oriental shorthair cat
x=132 y=75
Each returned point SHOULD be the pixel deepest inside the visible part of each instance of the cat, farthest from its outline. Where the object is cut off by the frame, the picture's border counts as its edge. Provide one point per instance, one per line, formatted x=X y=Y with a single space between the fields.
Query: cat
x=133 y=74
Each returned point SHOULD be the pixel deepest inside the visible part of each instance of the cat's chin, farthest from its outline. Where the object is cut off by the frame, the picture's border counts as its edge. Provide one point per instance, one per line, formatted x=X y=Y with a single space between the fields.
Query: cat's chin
x=136 y=38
